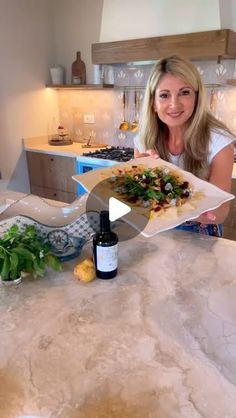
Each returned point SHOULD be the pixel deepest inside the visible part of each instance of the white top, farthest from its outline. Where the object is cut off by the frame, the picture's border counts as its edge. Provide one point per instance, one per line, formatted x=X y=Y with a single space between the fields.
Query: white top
x=218 y=141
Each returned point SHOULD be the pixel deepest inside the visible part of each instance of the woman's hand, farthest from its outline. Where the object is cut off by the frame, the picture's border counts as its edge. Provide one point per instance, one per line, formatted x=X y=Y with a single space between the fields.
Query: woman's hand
x=152 y=153
x=149 y=153
x=216 y=216
x=207 y=218
x=220 y=175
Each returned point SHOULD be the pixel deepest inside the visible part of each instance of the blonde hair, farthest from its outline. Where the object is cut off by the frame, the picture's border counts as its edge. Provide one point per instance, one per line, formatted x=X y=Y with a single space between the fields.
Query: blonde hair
x=154 y=133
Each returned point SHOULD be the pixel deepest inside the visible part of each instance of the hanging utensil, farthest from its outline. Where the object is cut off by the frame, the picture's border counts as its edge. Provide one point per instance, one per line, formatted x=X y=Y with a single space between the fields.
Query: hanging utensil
x=213 y=100
x=124 y=126
x=134 y=124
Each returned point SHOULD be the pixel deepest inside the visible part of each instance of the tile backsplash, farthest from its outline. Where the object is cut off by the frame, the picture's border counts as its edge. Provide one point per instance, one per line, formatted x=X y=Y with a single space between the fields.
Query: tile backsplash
x=107 y=105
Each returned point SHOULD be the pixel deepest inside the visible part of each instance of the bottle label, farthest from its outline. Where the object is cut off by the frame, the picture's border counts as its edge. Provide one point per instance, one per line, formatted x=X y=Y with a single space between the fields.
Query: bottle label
x=75 y=79
x=107 y=258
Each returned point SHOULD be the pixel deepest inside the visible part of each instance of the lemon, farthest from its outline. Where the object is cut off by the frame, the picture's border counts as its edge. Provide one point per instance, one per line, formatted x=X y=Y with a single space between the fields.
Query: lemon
x=85 y=271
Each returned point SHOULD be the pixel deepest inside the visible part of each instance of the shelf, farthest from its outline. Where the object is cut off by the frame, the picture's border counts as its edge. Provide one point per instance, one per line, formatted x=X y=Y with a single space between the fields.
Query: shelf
x=207 y=85
x=231 y=82
x=92 y=87
x=213 y=85
x=126 y=88
x=80 y=86
x=132 y=88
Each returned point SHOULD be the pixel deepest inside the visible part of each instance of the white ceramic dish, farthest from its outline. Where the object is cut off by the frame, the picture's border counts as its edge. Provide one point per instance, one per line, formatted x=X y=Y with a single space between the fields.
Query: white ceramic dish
x=5 y=203
x=212 y=198
x=42 y=210
x=65 y=228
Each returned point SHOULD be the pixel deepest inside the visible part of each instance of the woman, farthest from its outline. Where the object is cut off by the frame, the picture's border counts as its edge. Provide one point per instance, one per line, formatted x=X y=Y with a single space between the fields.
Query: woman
x=177 y=126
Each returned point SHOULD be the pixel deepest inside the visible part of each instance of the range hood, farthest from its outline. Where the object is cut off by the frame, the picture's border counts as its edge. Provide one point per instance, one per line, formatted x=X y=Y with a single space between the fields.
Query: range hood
x=207 y=45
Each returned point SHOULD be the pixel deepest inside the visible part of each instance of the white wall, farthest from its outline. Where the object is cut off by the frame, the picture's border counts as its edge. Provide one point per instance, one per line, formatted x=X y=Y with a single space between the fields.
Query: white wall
x=36 y=34
x=76 y=26
x=26 y=107
x=130 y=19
x=234 y=15
x=228 y=14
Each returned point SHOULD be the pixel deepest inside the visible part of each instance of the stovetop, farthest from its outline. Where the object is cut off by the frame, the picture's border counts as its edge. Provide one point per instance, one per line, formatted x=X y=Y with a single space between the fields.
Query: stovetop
x=112 y=153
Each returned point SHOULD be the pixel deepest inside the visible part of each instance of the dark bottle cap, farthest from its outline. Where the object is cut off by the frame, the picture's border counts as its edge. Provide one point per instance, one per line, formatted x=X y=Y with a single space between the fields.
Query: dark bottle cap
x=104 y=221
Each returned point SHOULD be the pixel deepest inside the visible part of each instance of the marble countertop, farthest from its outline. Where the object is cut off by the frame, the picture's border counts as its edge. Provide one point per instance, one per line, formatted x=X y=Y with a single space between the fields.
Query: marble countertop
x=158 y=341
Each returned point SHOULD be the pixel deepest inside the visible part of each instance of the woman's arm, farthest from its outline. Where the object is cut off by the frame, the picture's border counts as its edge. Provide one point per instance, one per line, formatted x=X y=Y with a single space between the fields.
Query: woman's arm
x=220 y=175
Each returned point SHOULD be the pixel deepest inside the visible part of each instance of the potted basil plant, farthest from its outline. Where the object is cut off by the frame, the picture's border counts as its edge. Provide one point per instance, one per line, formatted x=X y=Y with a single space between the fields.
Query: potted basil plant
x=23 y=251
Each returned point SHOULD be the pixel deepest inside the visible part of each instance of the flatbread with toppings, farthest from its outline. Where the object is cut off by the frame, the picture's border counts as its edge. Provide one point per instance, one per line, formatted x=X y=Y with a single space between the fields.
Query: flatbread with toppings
x=159 y=191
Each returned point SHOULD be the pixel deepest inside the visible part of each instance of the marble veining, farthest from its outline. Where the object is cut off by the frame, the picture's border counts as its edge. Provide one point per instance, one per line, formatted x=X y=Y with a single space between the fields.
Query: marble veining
x=159 y=341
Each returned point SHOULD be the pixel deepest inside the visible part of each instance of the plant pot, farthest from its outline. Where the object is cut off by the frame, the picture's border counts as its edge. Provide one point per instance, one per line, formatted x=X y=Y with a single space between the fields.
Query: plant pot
x=11 y=282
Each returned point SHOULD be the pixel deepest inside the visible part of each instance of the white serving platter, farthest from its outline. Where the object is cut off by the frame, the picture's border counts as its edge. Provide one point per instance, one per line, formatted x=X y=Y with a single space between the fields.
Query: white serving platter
x=212 y=196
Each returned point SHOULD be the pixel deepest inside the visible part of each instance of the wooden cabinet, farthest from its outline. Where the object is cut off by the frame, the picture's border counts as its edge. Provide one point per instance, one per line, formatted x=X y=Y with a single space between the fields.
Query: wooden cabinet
x=50 y=176
x=229 y=226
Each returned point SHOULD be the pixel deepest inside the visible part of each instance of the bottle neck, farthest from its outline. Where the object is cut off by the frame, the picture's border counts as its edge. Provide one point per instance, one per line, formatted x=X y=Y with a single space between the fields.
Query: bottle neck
x=105 y=225
x=78 y=55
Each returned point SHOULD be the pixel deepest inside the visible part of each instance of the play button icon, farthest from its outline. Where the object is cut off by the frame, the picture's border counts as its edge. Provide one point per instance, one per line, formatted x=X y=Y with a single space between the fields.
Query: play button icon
x=117 y=209
x=122 y=213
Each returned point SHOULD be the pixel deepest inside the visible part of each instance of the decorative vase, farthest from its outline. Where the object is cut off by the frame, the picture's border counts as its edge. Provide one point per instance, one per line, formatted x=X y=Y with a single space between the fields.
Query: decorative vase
x=11 y=282
x=78 y=71
x=57 y=75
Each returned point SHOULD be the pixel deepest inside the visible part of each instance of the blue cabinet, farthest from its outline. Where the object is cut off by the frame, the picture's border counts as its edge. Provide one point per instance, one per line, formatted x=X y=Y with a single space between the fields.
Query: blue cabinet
x=85 y=164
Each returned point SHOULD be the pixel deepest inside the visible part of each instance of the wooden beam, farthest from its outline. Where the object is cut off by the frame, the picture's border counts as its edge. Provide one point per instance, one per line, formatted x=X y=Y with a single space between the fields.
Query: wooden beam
x=231 y=44
x=198 y=46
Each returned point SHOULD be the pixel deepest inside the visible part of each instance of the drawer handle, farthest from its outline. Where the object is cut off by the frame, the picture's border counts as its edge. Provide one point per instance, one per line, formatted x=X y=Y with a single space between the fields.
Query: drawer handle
x=51 y=159
x=54 y=194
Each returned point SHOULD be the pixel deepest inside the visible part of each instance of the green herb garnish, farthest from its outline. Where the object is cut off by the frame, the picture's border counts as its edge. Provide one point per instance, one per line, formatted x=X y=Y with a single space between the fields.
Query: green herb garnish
x=23 y=251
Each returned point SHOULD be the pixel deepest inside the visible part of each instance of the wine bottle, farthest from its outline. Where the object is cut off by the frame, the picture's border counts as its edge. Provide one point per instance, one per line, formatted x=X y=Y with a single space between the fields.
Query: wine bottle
x=105 y=249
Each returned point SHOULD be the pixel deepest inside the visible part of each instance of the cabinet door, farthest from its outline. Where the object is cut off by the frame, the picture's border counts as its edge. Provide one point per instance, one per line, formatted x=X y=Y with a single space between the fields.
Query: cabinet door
x=53 y=194
x=52 y=171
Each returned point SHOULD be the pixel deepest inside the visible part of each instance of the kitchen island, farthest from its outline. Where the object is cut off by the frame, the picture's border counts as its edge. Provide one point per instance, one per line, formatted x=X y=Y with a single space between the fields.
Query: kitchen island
x=158 y=341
